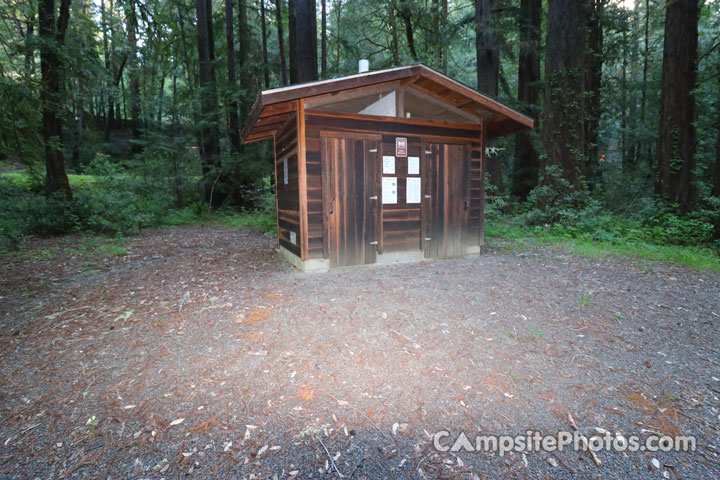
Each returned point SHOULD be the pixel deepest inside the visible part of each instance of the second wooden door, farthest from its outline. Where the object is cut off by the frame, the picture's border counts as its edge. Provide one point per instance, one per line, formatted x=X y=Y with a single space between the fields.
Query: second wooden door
x=446 y=199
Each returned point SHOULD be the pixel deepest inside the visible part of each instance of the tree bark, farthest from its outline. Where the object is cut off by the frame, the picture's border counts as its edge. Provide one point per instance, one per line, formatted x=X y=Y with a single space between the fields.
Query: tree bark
x=488 y=59
x=716 y=169
x=404 y=9
x=643 y=95
x=593 y=79
x=488 y=72
x=244 y=68
x=323 y=41
x=303 y=41
x=281 y=41
x=52 y=37
x=233 y=124
x=209 y=143
x=525 y=168
x=263 y=31
x=133 y=71
x=677 y=135
x=563 y=132
x=109 y=86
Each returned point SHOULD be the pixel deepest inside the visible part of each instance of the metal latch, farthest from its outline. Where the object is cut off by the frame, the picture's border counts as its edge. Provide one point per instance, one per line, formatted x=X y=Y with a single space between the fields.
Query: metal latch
x=374 y=150
x=428 y=196
x=428 y=151
x=427 y=239
x=373 y=243
x=374 y=197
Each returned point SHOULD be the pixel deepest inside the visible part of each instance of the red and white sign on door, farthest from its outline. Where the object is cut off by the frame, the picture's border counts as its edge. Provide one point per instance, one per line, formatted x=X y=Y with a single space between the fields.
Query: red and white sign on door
x=400 y=147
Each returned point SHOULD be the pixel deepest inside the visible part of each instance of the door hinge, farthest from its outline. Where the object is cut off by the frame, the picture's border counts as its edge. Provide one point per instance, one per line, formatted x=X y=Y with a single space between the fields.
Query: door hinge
x=374 y=197
x=373 y=150
x=373 y=243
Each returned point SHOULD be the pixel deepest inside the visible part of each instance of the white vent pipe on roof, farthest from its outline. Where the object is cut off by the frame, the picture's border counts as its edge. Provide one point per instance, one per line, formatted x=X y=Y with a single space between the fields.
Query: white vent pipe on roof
x=363 y=66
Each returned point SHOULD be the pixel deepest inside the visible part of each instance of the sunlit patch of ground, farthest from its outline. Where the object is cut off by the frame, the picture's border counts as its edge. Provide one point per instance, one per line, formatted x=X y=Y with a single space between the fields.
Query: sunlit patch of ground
x=199 y=352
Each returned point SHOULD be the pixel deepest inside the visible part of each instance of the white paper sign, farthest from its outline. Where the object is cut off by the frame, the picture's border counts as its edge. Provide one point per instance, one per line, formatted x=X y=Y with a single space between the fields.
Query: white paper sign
x=285 y=171
x=389 y=190
x=293 y=238
x=388 y=164
x=413 y=190
x=413 y=165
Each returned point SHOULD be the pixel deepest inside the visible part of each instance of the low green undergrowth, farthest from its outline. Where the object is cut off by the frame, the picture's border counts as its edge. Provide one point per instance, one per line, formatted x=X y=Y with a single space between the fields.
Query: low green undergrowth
x=108 y=202
x=633 y=243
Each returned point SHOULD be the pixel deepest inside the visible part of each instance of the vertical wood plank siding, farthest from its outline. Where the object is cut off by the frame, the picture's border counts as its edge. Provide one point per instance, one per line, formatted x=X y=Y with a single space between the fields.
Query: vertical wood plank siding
x=288 y=196
x=399 y=224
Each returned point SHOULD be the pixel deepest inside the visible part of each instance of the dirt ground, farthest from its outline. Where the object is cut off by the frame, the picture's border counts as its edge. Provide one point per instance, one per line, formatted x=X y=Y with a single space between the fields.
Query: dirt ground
x=201 y=354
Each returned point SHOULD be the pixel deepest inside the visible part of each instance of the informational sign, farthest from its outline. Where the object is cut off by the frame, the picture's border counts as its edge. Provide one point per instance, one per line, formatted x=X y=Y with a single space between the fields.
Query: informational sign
x=293 y=238
x=389 y=190
x=400 y=147
x=413 y=165
x=413 y=190
x=388 y=164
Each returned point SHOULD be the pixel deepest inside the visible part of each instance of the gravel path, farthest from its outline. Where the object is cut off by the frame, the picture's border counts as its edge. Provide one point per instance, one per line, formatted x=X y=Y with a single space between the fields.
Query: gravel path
x=200 y=354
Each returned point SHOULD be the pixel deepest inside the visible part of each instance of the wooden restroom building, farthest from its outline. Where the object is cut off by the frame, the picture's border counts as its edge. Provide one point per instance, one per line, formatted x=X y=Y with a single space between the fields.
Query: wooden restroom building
x=379 y=167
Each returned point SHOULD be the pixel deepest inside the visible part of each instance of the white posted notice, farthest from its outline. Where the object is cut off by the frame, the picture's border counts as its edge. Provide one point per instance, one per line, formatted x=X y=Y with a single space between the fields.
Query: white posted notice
x=413 y=165
x=413 y=190
x=389 y=190
x=388 y=165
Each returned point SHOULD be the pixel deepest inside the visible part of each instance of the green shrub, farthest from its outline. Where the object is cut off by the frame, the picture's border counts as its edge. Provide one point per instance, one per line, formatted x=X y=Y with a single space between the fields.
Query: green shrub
x=672 y=229
x=555 y=201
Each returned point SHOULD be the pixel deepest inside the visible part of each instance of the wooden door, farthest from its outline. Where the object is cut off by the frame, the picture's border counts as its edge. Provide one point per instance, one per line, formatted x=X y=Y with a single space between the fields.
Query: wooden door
x=446 y=199
x=350 y=204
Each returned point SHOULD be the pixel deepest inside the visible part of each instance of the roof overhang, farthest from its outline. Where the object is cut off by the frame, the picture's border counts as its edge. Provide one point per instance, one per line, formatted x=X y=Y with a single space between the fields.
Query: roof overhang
x=274 y=107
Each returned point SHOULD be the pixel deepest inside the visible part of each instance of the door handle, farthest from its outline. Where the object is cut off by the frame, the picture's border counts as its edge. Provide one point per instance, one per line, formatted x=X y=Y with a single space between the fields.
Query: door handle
x=332 y=207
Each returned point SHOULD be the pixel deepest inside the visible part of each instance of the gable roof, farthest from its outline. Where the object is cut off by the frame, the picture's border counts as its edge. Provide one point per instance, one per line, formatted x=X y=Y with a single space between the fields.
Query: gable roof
x=273 y=107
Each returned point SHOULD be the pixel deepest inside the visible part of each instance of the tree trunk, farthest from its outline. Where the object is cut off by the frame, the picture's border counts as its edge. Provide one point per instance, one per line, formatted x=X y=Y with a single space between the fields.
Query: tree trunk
x=186 y=55
x=677 y=135
x=643 y=95
x=134 y=73
x=323 y=41
x=716 y=169
x=488 y=72
x=395 y=43
x=244 y=68
x=404 y=9
x=593 y=78
x=109 y=86
x=52 y=36
x=444 y=36
x=281 y=41
x=303 y=41
x=438 y=44
x=563 y=132
x=525 y=168
x=233 y=124
x=209 y=144
x=263 y=31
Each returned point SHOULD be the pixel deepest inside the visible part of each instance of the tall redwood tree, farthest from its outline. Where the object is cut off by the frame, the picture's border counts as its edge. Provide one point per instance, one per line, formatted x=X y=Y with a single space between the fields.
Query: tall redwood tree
x=488 y=69
x=563 y=132
x=525 y=168
x=677 y=135
x=52 y=38
x=209 y=136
